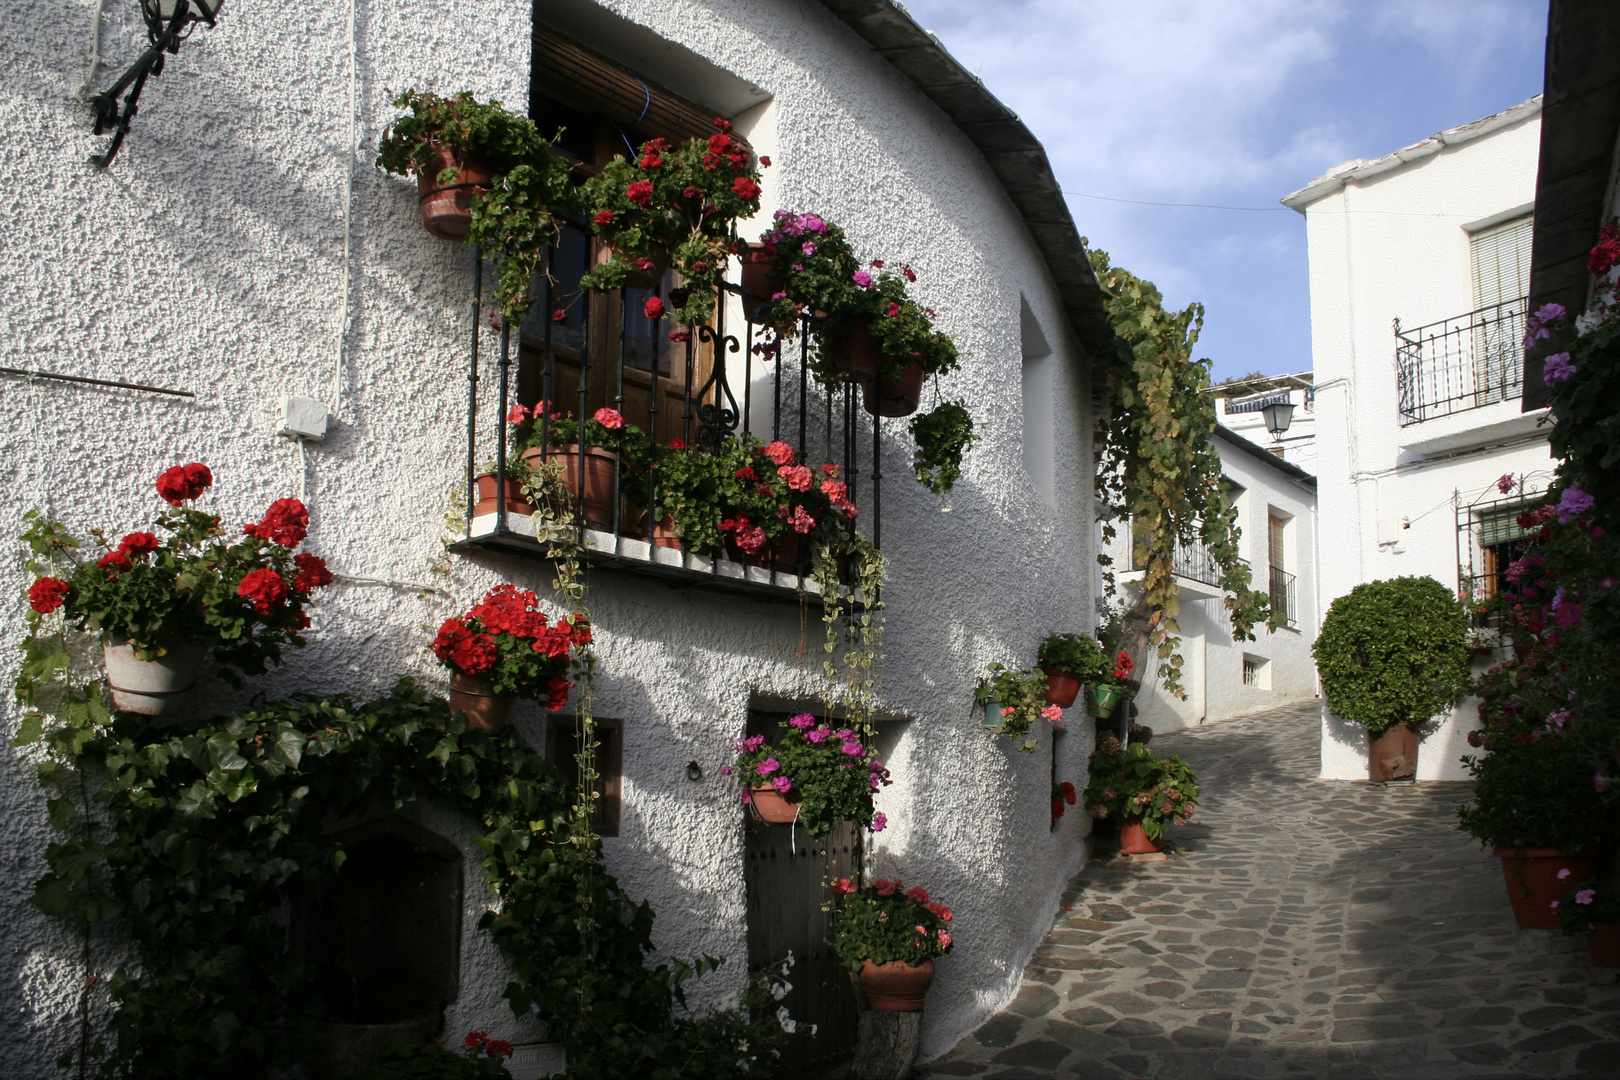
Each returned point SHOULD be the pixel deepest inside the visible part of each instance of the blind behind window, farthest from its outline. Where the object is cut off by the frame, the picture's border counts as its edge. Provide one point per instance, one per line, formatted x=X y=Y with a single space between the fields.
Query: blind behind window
x=1502 y=262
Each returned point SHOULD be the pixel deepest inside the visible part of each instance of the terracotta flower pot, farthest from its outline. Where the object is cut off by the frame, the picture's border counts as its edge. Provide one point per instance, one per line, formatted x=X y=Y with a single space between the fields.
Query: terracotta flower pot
x=1134 y=840
x=755 y=278
x=485 y=711
x=1062 y=687
x=634 y=277
x=664 y=534
x=160 y=687
x=1522 y=649
x=600 y=470
x=1392 y=754
x=771 y=807
x=896 y=986
x=1101 y=701
x=488 y=503
x=861 y=355
x=1603 y=943
x=1531 y=875
x=894 y=397
x=447 y=209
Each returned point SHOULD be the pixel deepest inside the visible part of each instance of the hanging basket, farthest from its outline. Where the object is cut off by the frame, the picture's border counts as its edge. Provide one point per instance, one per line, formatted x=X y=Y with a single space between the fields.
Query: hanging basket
x=1101 y=701
x=447 y=208
x=894 y=397
x=771 y=807
x=1062 y=687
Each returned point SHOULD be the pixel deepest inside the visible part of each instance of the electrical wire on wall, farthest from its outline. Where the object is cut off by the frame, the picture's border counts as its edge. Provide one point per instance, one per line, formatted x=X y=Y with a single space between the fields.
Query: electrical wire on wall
x=83 y=92
x=349 y=150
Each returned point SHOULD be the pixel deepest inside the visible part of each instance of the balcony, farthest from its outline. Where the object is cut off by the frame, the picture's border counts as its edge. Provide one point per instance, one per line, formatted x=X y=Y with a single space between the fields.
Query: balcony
x=1283 y=600
x=723 y=383
x=1197 y=572
x=1466 y=362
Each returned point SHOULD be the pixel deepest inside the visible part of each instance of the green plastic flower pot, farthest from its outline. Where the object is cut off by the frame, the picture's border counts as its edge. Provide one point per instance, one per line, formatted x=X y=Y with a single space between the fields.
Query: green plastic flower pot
x=992 y=714
x=1102 y=700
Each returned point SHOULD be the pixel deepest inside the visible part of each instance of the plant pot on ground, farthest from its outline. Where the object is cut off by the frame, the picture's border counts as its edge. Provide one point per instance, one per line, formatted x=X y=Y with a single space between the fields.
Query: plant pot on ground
x=505 y=648
x=1134 y=840
x=1393 y=653
x=889 y=935
x=1141 y=791
x=1585 y=905
x=828 y=775
x=1392 y=753
x=1070 y=660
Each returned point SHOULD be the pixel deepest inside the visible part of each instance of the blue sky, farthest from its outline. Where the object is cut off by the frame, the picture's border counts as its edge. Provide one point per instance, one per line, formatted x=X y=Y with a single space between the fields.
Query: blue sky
x=1237 y=103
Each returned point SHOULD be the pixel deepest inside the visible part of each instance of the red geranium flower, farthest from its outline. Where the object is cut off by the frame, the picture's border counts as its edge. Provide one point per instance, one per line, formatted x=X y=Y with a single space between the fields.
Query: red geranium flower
x=653 y=308
x=312 y=572
x=264 y=589
x=47 y=594
x=603 y=217
x=745 y=188
x=764 y=159
x=918 y=893
x=640 y=192
x=184 y=482
x=557 y=692
x=611 y=419
x=113 y=562
x=677 y=444
x=285 y=523
x=141 y=543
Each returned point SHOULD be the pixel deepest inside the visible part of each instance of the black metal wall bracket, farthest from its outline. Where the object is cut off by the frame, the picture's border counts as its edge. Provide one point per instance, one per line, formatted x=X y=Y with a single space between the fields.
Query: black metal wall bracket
x=165 y=36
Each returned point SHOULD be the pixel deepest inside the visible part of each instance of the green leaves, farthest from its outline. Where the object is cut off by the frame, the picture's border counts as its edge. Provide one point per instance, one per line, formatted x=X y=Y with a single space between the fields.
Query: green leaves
x=1393 y=652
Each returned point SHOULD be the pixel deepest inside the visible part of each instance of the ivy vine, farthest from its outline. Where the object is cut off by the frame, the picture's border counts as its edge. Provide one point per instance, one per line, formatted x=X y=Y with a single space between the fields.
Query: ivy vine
x=1158 y=463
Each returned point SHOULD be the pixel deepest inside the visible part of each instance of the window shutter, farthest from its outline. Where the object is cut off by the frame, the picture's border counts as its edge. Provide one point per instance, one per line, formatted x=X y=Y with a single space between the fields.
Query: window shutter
x=1502 y=526
x=1502 y=262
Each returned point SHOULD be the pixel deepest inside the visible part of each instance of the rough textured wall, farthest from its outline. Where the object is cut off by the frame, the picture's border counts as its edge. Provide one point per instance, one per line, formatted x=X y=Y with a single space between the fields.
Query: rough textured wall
x=210 y=258
x=1394 y=246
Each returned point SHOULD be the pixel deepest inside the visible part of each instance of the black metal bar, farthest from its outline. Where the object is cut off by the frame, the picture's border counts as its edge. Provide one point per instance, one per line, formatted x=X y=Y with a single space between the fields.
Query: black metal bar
x=804 y=379
x=500 y=427
x=748 y=378
x=618 y=404
x=877 y=482
x=686 y=411
x=472 y=395
x=94 y=382
x=548 y=356
x=150 y=63
x=584 y=440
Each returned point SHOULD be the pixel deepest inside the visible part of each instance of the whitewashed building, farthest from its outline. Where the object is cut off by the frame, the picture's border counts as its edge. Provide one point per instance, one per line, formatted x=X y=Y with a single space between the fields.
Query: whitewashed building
x=1223 y=677
x=242 y=248
x=1419 y=276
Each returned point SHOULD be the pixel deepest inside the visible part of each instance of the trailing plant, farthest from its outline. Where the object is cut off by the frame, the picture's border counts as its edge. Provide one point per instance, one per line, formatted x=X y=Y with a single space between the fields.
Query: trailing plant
x=677 y=203
x=506 y=641
x=848 y=568
x=1021 y=698
x=830 y=775
x=885 y=922
x=245 y=599
x=1136 y=784
x=942 y=437
x=461 y=124
x=1156 y=461
x=1589 y=901
x=1077 y=654
x=1393 y=652
x=517 y=219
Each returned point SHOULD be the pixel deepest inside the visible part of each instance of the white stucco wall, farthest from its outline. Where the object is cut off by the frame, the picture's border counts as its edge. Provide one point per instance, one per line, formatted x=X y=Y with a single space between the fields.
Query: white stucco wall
x=1212 y=668
x=1386 y=246
x=1298 y=442
x=210 y=258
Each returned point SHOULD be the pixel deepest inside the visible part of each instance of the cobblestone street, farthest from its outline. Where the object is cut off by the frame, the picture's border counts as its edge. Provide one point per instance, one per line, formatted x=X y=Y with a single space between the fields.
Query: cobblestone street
x=1309 y=928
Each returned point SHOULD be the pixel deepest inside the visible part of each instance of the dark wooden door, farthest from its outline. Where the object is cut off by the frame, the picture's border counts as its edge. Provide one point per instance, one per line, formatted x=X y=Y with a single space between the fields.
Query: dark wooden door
x=784 y=872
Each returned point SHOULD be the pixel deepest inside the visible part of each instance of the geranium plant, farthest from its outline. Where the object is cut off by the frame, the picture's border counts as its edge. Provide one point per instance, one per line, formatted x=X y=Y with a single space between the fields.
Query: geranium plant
x=512 y=646
x=481 y=1058
x=680 y=203
x=1532 y=789
x=1063 y=796
x=1137 y=784
x=828 y=772
x=1120 y=674
x=904 y=329
x=813 y=261
x=1021 y=698
x=244 y=598
x=885 y=922
x=1077 y=654
x=1589 y=901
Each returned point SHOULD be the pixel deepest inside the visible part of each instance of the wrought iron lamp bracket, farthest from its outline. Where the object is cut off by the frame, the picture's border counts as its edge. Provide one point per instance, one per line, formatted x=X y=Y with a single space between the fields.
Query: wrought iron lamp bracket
x=165 y=36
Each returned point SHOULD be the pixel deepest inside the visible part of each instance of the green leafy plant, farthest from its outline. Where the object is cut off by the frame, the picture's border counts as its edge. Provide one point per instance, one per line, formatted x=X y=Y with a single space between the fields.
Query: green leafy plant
x=482 y=1058
x=461 y=124
x=1590 y=901
x=885 y=922
x=1160 y=791
x=1021 y=696
x=680 y=203
x=511 y=645
x=244 y=598
x=1393 y=652
x=830 y=775
x=517 y=219
x=815 y=265
x=1532 y=789
x=942 y=437
x=1077 y=654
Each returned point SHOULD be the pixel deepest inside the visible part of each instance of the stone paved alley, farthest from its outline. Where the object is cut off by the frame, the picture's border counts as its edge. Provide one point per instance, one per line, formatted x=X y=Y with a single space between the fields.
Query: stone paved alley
x=1310 y=928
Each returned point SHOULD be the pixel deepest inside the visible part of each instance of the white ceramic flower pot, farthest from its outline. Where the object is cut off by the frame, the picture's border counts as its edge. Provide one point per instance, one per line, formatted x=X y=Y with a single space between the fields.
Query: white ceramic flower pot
x=158 y=687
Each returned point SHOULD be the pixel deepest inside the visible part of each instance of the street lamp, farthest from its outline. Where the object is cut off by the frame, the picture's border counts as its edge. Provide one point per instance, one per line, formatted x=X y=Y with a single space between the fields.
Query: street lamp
x=1278 y=415
x=165 y=22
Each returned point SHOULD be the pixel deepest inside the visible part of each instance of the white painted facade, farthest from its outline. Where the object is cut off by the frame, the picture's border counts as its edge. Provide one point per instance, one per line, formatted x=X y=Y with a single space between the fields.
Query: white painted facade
x=1242 y=416
x=243 y=247
x=1223 y=677
x=1391 y=239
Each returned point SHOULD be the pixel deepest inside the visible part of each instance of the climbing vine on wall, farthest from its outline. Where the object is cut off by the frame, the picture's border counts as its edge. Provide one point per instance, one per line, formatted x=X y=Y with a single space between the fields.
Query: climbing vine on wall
x=1158 y=464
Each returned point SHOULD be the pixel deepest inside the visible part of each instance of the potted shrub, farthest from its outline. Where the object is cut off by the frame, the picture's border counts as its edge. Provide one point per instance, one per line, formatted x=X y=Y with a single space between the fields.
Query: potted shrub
x=1143 y=793
x=160 y=606
x=1068 y=661
x=1013 y=701
x=1103 y=694
x=889 y=935
x=1592 y=908
x=613 y=459
x=942 y=436
x=1535 y=803
x=812 y=774
x=505 y=648
x=1391 y=655
x=455 y=146
x=673 y=206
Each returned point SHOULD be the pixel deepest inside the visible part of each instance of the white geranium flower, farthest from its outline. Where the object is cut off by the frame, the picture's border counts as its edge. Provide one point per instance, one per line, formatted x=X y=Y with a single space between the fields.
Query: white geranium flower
x=789 y=1025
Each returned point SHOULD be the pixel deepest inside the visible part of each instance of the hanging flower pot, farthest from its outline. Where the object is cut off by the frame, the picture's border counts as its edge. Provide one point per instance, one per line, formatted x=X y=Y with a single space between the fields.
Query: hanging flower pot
x=896 y=986
x=1103 y=699
x=486 y=711
x=771 y=807
x=861 y=355
x=1603 y=943
x=1392 y=754
x=488 y=503
x=894 y=397
x=992 y=714
x=1533 y=881
x=600 y=468
x=447 y=208
x=160 y=687
x=1062 y=687
x=1134 y=840
x=756 y=270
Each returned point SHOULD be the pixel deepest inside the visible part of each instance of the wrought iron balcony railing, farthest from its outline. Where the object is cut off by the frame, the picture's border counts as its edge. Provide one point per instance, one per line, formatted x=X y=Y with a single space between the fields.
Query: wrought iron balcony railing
x=1191 y=560
x=578 y=353
x=1282 y=595
x=1461 y=363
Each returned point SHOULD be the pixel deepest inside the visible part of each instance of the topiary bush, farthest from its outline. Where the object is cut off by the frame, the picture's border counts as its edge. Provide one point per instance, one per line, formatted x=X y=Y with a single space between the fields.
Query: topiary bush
x=1393 y=652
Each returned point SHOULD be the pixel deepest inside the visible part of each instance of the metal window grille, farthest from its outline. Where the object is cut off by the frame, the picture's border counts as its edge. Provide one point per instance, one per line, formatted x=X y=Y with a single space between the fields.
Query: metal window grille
x=1282 y=595
x=1461 y=363
x=1251 y=671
